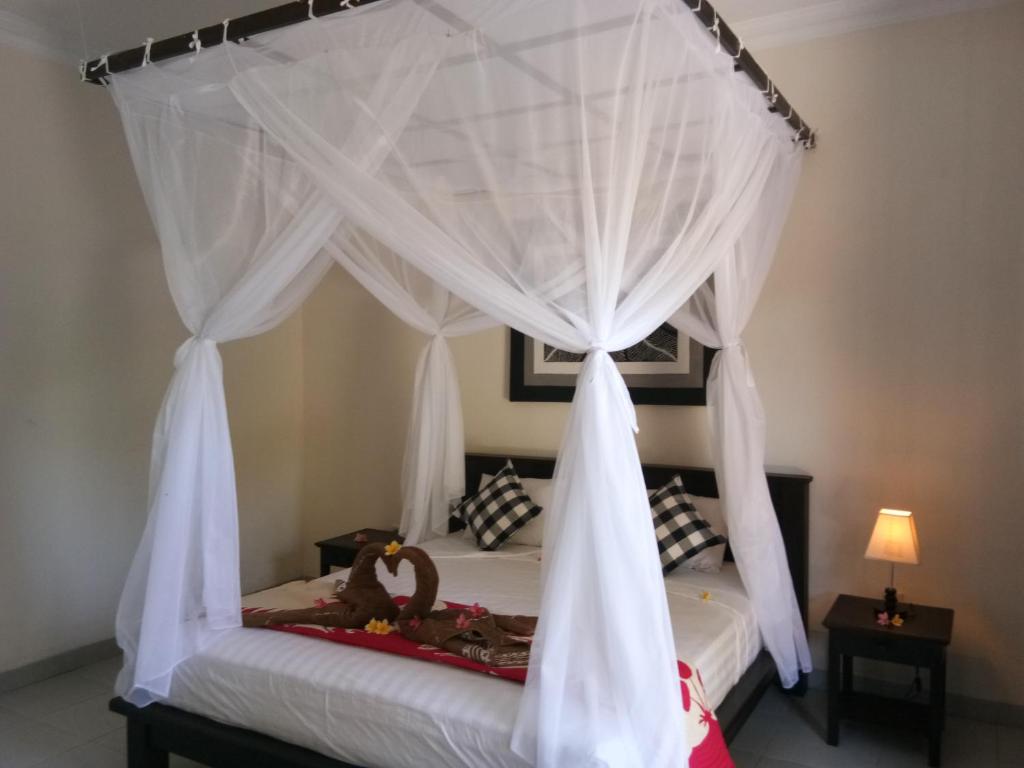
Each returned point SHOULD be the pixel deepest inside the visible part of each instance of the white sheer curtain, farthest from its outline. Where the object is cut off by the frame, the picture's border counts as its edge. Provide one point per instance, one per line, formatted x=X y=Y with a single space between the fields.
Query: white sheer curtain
x=434 y=467
x=236 y=267
x=716 y=317
x=241 y=230
x=576 y=169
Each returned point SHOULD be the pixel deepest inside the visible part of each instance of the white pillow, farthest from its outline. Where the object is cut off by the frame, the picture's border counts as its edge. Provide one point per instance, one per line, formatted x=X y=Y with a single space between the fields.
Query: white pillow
x=540 y=490
x=711 y=510
x=708 y=560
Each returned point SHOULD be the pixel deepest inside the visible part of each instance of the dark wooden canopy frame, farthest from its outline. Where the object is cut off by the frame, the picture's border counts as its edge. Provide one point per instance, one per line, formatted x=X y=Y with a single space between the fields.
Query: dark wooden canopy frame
x=240 y=29
x=158 y=730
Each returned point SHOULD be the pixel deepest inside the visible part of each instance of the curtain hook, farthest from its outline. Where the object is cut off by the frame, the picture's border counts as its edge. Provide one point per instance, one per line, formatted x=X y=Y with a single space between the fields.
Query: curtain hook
x=775 y=95
x=196 y=45
x=346 y=4
x=790 y=116
x=225 y=23
x=146 y=53
x=716 y=30
x=81 y=69
x=700 y=4
x=800 y=133
x=739 y=51
x=310 y=4
x=767 y=88
x=103 y=62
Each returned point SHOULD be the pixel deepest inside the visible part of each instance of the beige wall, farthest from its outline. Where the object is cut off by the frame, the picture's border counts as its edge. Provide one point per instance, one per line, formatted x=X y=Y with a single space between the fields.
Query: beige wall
x=359 y=366
x=87 y=336
x=888 y=341
x=263 y=382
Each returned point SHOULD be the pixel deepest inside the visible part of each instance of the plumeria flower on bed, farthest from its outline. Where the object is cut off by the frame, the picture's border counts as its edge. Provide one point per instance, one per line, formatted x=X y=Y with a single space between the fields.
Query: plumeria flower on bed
x=391 y=548
x=476 y=611
x=381 y=627
x=705 y=596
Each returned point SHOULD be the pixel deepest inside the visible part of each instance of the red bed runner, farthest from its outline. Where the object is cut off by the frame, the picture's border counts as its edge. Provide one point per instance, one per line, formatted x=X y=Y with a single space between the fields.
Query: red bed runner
x=703 y=732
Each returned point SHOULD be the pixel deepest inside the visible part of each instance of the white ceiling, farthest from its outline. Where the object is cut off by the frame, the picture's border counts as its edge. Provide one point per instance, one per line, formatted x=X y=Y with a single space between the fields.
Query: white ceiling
x=76 y=29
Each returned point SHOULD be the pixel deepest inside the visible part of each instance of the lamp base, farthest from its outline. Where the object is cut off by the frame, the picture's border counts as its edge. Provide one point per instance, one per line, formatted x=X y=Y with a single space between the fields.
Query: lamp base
x=890 y=607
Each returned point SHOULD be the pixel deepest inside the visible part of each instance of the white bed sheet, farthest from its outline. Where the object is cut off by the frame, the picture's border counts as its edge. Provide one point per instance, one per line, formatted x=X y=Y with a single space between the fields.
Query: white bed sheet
x=376 y=709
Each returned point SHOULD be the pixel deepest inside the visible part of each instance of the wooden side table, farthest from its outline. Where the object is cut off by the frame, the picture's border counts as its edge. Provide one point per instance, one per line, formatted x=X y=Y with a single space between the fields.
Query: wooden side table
x=920 y=642
x=341 y=551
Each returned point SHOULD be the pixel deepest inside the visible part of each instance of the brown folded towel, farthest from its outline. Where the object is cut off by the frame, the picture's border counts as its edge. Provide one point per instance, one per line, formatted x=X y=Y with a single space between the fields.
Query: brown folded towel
x=475 y=633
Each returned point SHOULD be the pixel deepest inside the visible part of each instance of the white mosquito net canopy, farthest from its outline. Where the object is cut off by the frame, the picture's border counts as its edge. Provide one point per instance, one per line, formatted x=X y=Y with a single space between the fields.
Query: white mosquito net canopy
x=576 y=169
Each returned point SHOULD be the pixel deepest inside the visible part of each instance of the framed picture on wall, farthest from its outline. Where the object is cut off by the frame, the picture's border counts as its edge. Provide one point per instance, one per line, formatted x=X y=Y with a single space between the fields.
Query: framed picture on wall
x=666 y=368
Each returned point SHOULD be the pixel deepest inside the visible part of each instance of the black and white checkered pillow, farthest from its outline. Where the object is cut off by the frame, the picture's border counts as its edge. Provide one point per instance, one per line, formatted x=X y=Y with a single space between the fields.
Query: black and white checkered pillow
x=497 y=510
x=681 y=532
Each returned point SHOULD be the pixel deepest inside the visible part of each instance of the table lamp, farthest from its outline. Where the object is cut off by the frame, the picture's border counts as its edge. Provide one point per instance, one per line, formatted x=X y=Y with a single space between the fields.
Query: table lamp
x=894 y=539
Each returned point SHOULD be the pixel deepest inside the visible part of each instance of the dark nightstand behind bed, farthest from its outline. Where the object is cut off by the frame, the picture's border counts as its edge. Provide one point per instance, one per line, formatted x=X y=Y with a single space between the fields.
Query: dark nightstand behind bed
x=920 y=642
x=341 y=551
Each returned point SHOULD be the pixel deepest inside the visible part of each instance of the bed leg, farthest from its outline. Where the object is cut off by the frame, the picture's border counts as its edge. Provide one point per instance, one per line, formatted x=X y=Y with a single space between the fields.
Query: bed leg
x=141 y=753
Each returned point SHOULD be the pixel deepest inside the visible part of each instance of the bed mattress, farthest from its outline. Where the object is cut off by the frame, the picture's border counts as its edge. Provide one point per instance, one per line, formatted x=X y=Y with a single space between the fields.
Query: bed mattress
x=375 y=709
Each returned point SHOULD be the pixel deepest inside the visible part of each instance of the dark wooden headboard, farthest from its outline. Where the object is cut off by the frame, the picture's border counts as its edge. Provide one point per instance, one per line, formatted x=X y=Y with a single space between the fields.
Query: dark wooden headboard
x=790 y=496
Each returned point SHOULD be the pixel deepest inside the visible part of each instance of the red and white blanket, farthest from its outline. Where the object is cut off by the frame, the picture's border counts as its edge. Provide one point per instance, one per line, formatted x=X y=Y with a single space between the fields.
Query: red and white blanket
x=703 y=732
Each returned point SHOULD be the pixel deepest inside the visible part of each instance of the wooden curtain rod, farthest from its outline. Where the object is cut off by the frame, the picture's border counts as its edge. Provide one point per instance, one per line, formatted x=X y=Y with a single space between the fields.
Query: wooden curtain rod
x=746 y=63
x=244 y=27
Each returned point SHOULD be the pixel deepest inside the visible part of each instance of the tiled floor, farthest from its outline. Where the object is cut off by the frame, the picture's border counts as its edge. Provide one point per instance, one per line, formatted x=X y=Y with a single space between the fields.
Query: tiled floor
x=786 y=732
x=64 y=723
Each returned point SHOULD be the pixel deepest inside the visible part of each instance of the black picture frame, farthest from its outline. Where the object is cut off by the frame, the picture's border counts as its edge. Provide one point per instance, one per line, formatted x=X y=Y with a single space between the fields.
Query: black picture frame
x=520 y=391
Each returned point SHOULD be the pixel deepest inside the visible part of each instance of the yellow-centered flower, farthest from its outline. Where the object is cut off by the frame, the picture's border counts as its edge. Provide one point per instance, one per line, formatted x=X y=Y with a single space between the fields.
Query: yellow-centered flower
x=381 y=627
x=391 y=548
x=705 y=596
x=897 y=621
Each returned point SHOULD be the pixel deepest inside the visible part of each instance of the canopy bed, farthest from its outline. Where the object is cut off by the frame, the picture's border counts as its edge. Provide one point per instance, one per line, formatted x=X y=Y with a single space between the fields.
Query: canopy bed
x=580 y=170
x=238 y=681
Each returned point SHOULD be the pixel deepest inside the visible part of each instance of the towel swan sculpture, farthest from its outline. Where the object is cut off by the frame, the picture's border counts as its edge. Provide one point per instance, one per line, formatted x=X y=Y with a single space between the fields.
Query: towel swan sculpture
x=422 y=601
x=473 y=632
x=363 y=597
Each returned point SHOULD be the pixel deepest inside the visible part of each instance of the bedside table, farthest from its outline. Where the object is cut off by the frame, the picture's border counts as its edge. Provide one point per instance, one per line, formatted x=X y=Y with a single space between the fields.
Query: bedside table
x=342 y=550
x=920 y=642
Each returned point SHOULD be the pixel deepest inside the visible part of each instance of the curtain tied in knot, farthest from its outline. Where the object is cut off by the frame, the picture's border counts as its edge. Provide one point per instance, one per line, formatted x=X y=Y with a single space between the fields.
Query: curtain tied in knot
x=438 y=345
x=739 y=345
x=598 y=356
x=192 y=342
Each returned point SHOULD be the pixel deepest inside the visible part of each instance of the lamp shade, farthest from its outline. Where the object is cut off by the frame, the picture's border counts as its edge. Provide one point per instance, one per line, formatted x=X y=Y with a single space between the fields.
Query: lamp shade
x=894 y=538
